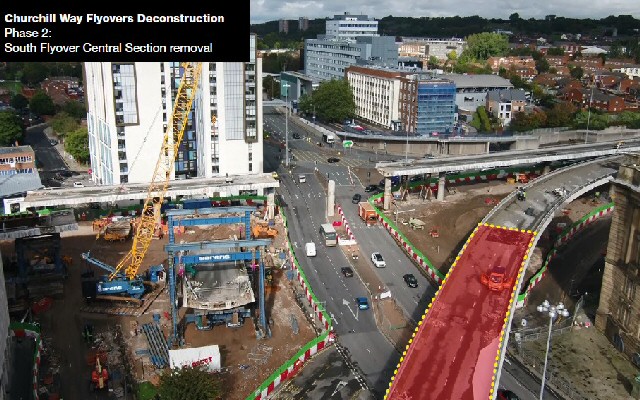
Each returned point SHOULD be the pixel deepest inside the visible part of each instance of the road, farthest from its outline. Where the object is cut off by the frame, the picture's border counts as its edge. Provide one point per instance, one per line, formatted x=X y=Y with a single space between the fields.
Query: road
x=48 y=158
x=356 y=329
x=370 y=239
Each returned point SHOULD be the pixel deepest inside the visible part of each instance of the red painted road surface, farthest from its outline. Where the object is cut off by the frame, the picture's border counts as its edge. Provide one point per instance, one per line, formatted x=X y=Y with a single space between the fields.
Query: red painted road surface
x=453 y=353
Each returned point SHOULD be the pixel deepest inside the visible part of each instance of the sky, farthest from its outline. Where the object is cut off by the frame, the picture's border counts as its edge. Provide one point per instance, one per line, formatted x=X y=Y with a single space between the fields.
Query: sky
x=269 y=10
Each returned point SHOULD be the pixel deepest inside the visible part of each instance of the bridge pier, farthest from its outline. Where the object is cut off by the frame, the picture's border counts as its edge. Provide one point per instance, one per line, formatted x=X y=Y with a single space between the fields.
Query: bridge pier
x=546 y=168
x=441 y=186
x=387 y=193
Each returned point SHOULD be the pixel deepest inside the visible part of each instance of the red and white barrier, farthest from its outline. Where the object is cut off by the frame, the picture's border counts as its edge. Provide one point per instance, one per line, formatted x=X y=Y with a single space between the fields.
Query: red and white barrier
x=346 y=225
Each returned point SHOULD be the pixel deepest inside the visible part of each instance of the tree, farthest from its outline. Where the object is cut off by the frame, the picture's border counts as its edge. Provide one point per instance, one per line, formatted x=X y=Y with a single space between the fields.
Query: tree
x=19 y=102
x=33 y=73
x=271 y=87
x=190 y=383
x=561 y=114
x=514 y=17
x=555 y=51
x=577 y=72
x=433 y=62
x=11 y=128
x=524 y=121
x=333 y=101
x=481 y=120
x=77 y=144
x=41 y=104
x=542 y=65
x=62 y=123
x=75 y=109
x=481 y=46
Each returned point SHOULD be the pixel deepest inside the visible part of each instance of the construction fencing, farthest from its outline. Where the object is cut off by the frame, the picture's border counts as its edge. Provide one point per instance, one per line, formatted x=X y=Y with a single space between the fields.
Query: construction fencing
x=293 y=365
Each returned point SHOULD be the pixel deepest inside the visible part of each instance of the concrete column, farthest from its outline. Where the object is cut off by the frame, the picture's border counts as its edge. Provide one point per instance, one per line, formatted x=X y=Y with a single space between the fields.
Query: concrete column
x=271 y=205
x=487 y=148
x=331 y=198
x=546 y=168
x=387 y=193
x=441 y=186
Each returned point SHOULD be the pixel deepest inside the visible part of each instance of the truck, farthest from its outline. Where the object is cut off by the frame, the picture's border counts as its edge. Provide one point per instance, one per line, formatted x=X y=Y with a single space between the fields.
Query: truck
x=328 y=138
x=367 y=213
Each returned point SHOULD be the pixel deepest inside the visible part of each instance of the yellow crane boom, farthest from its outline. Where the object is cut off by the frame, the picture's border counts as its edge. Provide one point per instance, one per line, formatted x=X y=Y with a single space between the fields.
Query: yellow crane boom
x=165 y=165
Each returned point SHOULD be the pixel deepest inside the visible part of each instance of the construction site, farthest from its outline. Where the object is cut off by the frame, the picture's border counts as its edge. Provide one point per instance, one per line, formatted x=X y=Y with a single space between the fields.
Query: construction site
x=171 y=283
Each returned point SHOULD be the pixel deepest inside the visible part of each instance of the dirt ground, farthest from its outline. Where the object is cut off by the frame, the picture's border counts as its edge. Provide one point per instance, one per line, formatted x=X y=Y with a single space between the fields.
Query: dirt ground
x=246 y=361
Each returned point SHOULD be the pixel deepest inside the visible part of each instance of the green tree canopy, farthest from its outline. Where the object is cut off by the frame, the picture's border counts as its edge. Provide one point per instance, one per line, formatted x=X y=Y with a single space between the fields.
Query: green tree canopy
x=63 y=123
x=271 y=87
x=75 y=109
x=577 y=72
x=77 y=144
x=333 y=101
x=555 y=51
x=481 y=46
x=525 y=121
x=11 y=128
x=19 y=102
x=481 y=120
x=561 y=114
x=542 y=65
x=190 y=383
x=33 y=73
x=41 y=104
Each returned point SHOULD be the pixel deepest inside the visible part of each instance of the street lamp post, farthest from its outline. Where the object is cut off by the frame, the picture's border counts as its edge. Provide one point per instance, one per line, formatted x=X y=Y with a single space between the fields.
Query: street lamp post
x=586 y=136
x=406 y=150
x=286 y=86
x=553 y=311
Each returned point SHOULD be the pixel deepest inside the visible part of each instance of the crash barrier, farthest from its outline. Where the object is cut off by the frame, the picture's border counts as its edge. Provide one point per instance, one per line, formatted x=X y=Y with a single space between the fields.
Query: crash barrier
x=567 y=234
x=346 y=225
x=21 y=329
x=293 y=365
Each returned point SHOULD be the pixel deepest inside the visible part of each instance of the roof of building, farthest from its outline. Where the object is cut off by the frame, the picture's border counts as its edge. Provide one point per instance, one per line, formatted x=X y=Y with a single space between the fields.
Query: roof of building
x=506 y=95
x=16 y=149
x=486 y=80
x=18 y=183
x=301 y=75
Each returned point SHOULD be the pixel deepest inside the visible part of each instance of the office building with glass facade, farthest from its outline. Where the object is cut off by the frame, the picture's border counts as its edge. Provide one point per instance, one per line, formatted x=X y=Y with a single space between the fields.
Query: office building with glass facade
x=427 y=105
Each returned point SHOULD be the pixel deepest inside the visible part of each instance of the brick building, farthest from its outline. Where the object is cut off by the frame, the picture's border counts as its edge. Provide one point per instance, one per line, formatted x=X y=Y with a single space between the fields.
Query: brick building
x=17 y=160
x=618 y=314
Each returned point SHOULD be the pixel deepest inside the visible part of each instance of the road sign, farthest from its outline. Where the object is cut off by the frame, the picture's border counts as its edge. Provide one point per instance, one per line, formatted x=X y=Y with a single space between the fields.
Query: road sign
x=347 y=143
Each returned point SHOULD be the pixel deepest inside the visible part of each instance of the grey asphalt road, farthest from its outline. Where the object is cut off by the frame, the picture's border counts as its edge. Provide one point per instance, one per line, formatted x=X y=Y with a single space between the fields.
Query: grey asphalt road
x=356 y=329
x=46 y=154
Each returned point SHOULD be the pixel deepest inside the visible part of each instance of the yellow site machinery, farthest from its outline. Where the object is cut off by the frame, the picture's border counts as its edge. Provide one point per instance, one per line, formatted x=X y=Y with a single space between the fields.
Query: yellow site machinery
x=123 y=281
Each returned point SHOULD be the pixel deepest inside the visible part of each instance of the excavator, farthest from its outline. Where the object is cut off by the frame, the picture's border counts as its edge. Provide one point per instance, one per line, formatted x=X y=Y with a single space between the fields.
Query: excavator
x=99 y=377
x=123 y=281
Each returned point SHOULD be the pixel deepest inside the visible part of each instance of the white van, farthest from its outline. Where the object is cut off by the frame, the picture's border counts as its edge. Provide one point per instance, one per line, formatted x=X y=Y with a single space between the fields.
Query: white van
x=310 y=249
x=302 y=178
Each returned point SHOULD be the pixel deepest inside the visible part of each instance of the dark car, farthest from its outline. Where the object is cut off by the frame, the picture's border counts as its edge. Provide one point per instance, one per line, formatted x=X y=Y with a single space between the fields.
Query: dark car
x=53 y=142
x=410 y=280
x=347 y=272
x=356 y=198
x=66 y=173
x=370 y=188
x=296 y=136
x=363 y=303
x=332 y=160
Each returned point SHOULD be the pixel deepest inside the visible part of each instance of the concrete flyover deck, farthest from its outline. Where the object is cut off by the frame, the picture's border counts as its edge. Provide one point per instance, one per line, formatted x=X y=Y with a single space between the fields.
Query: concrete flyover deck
x=198 y=187
x=457 y=352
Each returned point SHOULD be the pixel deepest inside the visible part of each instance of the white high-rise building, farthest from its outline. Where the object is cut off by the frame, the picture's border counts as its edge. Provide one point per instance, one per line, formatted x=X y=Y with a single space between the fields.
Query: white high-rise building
x=130 y=104
x=349 y=27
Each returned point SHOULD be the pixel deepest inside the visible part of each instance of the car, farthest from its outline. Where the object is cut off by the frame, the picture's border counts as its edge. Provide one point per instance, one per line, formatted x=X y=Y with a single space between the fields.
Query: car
x=78 y=185
x=356 y=198
x=296 y=136
x=66 y=173
x=504 y=394
x=362 y=303
x=410 y=280
x=302 y=178
x=332 y=160
x=53 y=142
x=371 y=188
x=377 y=260
x=347 y=272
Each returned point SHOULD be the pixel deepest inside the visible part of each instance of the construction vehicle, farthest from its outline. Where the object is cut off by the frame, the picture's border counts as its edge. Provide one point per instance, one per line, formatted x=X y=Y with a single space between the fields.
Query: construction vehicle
x=495 y=281
x=261 y=231
x=368 y=213
x=99 y=377
x=128 y=284
x=416 y=223
x=434 y=232
x=117 y=231
x=522 y=178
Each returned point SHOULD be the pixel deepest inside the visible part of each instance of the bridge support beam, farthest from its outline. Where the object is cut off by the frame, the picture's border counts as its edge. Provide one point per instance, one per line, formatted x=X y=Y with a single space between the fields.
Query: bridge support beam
x=441 y=186
x=387 y=193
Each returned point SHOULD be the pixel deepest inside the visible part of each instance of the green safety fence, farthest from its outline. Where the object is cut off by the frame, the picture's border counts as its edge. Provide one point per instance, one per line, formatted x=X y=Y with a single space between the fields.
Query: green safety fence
x=289 y=368
x=565 y=235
